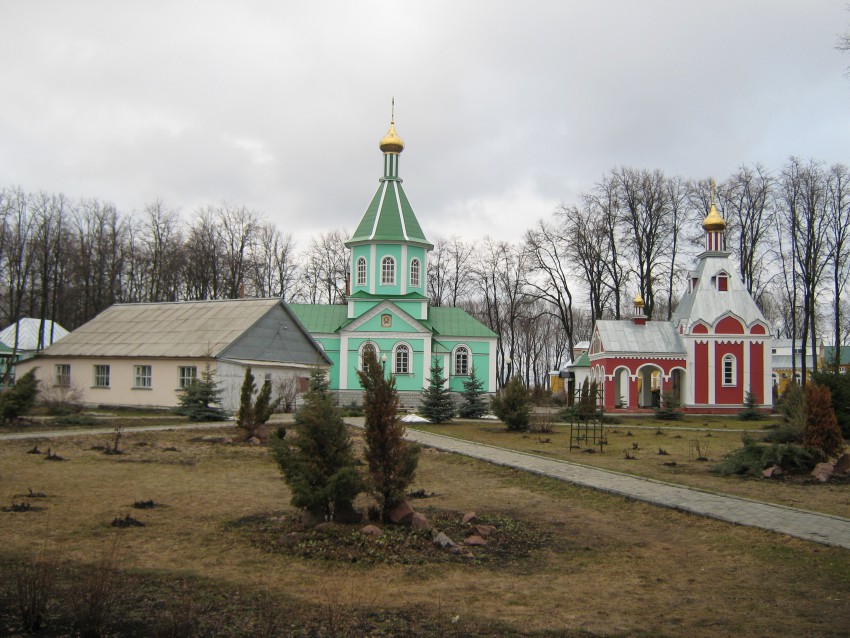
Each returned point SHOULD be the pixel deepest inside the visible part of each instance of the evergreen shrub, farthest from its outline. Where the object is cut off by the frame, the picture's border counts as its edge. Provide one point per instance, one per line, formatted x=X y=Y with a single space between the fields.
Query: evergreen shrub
x=437 y=405
x=821 y=430
x=513 y=405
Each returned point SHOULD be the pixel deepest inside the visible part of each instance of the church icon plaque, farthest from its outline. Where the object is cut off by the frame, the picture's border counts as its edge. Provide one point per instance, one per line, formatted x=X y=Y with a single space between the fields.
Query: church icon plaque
x=386 y=321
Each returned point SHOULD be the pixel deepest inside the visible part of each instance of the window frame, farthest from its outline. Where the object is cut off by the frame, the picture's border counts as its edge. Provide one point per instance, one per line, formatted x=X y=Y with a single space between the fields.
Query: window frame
x=387 y=270
x=415 y=269
x=465 y=352
x=142 y=376
x=361 y=273
x=402 y=349
x=362 y=349
x=101 y=373
x=185 y=380
x=62 y=375
x=730 y=371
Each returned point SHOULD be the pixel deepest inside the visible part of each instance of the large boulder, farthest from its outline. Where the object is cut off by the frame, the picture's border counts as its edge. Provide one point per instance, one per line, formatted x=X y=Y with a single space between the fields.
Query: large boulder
x=372 y=530
x=474 y=541
x=823 y=472
x=469 y=517
x=774 y=471
x=401 y=514
x=419 y=521
x=482 y=530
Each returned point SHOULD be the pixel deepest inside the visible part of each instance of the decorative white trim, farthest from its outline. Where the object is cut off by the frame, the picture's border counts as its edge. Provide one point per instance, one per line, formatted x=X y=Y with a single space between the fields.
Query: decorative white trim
x=378 y=212
x=343 y=362
x=373 y=276
x=402 y=275
x=400 y=212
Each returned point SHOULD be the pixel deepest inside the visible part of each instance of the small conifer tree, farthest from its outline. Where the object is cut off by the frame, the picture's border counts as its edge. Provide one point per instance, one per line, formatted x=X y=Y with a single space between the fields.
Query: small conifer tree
x=750 y=411
x=392 y=460
x=20 y=398
x=473 y=406
x=254 y=413
x=319 y=464
x=513 y=405
x=821 y=430
x=437 y=405
x=201 y=399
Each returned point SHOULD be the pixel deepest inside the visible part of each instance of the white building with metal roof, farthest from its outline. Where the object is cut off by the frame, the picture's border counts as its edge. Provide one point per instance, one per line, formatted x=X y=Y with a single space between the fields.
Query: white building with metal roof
x=144 y=354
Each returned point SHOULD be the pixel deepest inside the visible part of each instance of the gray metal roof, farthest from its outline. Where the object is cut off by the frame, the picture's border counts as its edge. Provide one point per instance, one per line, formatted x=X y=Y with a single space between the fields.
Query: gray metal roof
x=707 y=303
x=653 y=337
x=182 y=329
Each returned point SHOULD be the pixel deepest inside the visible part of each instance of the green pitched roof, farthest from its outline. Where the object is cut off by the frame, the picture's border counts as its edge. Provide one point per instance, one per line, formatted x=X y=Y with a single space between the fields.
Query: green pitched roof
x=319 y=318
x=829 y=354
x=389 y=217
x=448 y=322
x=454 y=322
x=582 y=362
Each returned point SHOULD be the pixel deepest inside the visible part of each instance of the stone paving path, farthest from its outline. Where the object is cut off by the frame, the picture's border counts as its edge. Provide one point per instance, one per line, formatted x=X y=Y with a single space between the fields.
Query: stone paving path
x=820 y=528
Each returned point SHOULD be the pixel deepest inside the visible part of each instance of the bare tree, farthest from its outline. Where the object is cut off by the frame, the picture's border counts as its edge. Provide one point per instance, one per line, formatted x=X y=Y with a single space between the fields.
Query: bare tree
x=238 y=227
x=325 y=268
x=548 y=251
x=838 y=241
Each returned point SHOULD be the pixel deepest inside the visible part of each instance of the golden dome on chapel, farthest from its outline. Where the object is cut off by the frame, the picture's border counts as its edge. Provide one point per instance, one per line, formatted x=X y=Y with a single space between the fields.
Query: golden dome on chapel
x=639 y=301
x=391 y=142
x=713 y=221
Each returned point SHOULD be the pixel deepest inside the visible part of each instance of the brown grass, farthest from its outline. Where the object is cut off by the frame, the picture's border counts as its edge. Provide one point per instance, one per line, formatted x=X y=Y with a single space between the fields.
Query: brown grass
x=680 y=440
x=622 y=568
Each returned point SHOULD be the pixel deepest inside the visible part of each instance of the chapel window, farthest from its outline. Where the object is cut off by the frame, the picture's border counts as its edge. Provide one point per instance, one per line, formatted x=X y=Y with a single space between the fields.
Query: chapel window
x=402 y=359
x=414 y=273
x=729 y=370
x=388 y=271
x=361 y=271
x=462 y=361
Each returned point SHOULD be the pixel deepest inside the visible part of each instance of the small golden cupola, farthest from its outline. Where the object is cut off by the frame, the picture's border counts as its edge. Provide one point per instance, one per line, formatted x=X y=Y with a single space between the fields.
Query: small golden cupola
x=715 y=227
x=391 y=142
x=638 y=317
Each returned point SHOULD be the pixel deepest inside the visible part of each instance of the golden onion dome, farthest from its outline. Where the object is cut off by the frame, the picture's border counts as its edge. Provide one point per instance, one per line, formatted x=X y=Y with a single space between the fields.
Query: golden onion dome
x=713 y=221
x=639 y=301
x=391 y=142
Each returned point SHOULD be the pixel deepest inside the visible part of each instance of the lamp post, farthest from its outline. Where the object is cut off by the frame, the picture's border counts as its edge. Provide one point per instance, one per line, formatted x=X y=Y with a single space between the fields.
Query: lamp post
x=509 y=362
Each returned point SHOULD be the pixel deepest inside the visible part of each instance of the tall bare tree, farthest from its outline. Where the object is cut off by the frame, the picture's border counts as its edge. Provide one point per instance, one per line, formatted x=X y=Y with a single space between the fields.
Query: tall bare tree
x=838 y=242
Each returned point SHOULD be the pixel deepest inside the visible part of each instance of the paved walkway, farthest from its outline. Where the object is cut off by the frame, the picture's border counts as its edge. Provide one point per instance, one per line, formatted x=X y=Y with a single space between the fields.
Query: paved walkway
x=820 y=528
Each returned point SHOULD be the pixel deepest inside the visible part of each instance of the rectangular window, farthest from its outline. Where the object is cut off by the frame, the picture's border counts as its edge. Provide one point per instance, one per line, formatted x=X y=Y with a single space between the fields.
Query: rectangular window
x=186 y=376
x=141 y=376
x=63 y=374
x=414 y=273
x=101 y=376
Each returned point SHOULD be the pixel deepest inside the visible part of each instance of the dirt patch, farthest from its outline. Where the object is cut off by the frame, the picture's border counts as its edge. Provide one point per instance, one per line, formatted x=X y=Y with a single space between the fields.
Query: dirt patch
x=513 y=541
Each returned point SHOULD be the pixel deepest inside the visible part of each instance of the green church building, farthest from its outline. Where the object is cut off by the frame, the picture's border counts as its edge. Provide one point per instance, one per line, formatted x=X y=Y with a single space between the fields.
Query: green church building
x=387 y=308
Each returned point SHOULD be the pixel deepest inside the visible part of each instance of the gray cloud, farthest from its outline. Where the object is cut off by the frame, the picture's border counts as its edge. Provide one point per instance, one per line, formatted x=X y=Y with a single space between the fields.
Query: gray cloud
x=507 y=108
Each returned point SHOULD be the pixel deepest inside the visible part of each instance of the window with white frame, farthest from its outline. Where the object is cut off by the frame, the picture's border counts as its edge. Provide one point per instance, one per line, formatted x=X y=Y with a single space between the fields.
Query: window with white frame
x=729 y=370
x=141 y=376
x=402 y=359
x=388 y=271
x=462 y=361
x=414 y=273
x=361 y=271
x=365 y=348
x=63 y=375
x=101 y=376
x=186 y=376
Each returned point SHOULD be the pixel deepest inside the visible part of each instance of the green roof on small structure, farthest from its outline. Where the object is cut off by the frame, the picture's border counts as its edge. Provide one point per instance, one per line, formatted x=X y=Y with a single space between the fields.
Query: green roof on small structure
x=582 y=362
x=829 y=354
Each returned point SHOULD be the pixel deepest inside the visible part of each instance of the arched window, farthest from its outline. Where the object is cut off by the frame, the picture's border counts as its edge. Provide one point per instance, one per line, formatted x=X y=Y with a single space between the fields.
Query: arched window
x=462 y=361
x=367 y=347
x=729 y=370
x=388 y=271
x=402 y=359
x=414 y=273
x=361 y=271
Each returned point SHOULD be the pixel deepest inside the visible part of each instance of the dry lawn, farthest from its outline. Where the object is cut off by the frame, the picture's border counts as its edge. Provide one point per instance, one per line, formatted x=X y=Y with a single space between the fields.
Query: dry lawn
x=684 y=441
x=618 y=567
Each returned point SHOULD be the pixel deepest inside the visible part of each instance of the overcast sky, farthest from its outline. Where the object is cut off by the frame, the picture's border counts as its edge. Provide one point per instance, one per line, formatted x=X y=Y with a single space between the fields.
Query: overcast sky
x=507 y=108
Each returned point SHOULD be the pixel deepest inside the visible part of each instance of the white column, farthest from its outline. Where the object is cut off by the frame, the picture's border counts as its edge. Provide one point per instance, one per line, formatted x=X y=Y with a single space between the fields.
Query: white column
x=492 y=384
x=404 y=270
x=343 y=362
x=375 y=271
x=711 y=355
x=746 y=349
